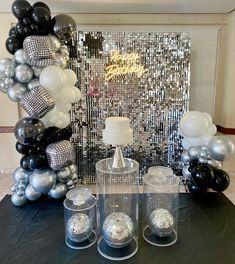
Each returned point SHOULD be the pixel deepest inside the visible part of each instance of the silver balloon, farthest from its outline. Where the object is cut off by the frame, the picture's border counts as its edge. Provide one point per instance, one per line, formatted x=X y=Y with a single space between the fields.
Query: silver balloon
x=33 y=83
x=21 y=175
x=23 y=73
x=4 y=63
x=9 y=71
x=56 y=42
x=14 y=187
x=60 y=61
x=20 y=193
x=9 y=81
x=18 y=200
x=58 y=191
x=203 y=154
x=37 y=71
x=74 y=178
x=118 y=230
x=185 y=157
x=31 y=194
x=185 y=172
x=220 y=148
x=64 y=50
x=20 y=56
x=202 y=160
x=43 y=180
x=161 y=222
x=214 y=164
x=194 y=152
x=79 y=227
x=16 y=91
x=64 y=175
x=69 y=183
x=74 y=168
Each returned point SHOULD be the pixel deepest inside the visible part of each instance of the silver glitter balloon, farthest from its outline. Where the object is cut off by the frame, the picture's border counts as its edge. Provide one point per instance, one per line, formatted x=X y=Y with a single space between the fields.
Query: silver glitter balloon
x=4 y=63
x=161 y=222
x=18 y=200
x=214 y=164
x=118 y=230
x=64 y=175
x=9 y=81
x=220 y=148
x=23 y=73
x=16 y=91
x=33 y=83
x=185 y=157
x=20 y=56
x=185 y=172
x=56 y=42
x=21 y=175
x=43 y=180
x=79 y=227
x=37 y=71
x=31 y=194
x=73 y=168
x=9 y=71
x=194 y=152
x=60 y=61
x=58 y=191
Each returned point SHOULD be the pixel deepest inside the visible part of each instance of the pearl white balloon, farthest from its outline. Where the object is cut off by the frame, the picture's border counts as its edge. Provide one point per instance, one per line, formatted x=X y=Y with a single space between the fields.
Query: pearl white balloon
x=66 y=95
x=23 y=73
x=31 y=194
x=52 y=78
x=77 y=93
x=58 y=191
x=56 y=118
x=20 y=56
x=215 y=164
x=55 y=42
x=71 y=77
x=212 y=130
x=16 y=91
x=18 y=200
x=186 y=144
x=63 y=121
x=60 y=60
x=208 y=116
x=194 y=124
x=65 y=108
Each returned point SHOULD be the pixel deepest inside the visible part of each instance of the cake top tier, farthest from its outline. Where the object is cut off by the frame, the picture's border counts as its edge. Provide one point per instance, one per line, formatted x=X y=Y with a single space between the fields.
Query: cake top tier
x=117 y=123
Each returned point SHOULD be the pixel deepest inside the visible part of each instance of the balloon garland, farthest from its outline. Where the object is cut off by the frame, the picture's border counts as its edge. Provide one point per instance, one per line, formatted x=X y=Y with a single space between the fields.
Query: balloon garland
x=203 y=154
x=37 y=78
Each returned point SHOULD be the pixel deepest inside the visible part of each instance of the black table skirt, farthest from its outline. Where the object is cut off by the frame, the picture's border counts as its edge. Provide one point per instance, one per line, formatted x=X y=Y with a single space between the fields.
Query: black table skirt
x=35 y=234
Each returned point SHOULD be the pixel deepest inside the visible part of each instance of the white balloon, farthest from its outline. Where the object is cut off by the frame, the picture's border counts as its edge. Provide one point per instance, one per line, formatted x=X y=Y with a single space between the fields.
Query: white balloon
x=208 y=116
x=185 y=143
x=56 y=118
x=212 y=130
x=52 y=78
x=66 y=95
x=63 y=121
x=77 y=93
x=65 y=108
x=71 y=77
x=194 y=124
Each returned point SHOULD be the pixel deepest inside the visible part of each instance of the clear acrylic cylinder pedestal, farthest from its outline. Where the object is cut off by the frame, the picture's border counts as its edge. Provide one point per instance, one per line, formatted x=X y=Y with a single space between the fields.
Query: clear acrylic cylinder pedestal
x=117 y=209
x=80 y=218
x=160 y=206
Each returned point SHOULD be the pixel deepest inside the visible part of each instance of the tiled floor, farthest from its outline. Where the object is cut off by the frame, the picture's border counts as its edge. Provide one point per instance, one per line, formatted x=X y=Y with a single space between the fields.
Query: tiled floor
x=6 y=180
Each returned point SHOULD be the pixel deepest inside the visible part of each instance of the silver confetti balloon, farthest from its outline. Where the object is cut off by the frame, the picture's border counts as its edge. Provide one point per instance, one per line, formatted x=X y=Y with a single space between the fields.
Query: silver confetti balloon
x=21 y=175
x=18 y=200
x=161 y=222
x=118 y=230
x=194 y=152
x=214 y=164
x=33 y=83
x=23 y=73
x=185 y=157
x=58 y=191
x=20 y=56
x=16 y=91
x=43 y=180
x=37 y=71
x=79 y=227
x=220 y=148
x=56 y=42
x=31 y=194
x=185 y=172
x=64 y=175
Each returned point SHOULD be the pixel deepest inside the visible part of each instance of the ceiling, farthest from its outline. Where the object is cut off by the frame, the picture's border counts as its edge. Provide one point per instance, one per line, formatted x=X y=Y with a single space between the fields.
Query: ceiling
x=133 y=6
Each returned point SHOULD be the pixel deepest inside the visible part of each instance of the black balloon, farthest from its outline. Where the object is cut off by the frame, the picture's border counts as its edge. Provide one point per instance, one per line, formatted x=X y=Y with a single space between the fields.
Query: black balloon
x=28 y=129
x=50 y=135
x=196 y=189
x=27 y=31
x=22 y=149
x=41 y=4
x=24 y=163
x=21 y=8
x=37 y=161
x=202 y=174
x=66 y=133
x=41 y=16
x=13 y=44
x=12 y=32
x=19 y=29
x=38 y=148
x=221 y=180
x=27 y=21
x=35 y=29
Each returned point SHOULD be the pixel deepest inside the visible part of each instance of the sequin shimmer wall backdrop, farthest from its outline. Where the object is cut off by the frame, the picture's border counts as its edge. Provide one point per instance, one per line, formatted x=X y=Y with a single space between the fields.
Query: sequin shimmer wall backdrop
x=144 y=76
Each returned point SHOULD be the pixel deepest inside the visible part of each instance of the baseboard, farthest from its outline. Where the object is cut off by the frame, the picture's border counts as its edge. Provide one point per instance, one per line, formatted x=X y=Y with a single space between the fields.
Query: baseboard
x=6 y=129
x=225 y=130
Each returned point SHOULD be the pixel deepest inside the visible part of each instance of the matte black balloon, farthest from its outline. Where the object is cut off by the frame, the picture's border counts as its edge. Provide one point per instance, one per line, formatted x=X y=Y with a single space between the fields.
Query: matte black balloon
x=24 y=163
x=41 y=16
x=27 y=21
x=37 y=161
x=21 y=8
x=203 y=175
x=66 y=133
x=28 y=129
x=196 y=189
x=221 y=180
x=13 y=44
x=41 y=4
x=22 y=149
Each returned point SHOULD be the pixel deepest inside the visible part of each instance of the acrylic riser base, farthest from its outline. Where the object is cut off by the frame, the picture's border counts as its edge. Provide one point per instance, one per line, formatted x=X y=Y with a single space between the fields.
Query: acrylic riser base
x=117 y=253
x=82 y=245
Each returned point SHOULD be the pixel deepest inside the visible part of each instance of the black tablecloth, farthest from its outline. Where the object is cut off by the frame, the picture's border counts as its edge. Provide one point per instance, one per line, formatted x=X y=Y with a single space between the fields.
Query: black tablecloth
x=35 y=234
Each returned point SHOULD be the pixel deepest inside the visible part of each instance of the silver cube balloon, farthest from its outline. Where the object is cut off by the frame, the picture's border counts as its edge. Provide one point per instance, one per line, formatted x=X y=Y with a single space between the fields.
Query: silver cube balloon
x=160 y=206
x=80 y=218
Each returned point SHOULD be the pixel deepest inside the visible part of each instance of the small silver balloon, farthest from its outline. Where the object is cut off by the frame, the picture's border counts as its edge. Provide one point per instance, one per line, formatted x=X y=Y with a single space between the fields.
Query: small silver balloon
x=9 y=81
x=60 y=61
x=21 y=175
x=3 y=87
x=20 y=56
x=58 y=191
x=69 y=183
x=20 y=193
x=23 y=73
x=161 y=222
x=56 y=42
x=194 y=152
x=79 y=227
x=185 y=172
x=9 y=71
x=33 y=83
x=37 y=71
x=64 y=175
x=74 y=178
x=14 y=187
x=118 y=230
x=214 y=164
x=4 y=63
x=202 y=160
x=185 y=157
x=43 y=180
x=31 y=194
x=74 y=168
x=18 y=200
x=16 y=91
x=220 y=148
